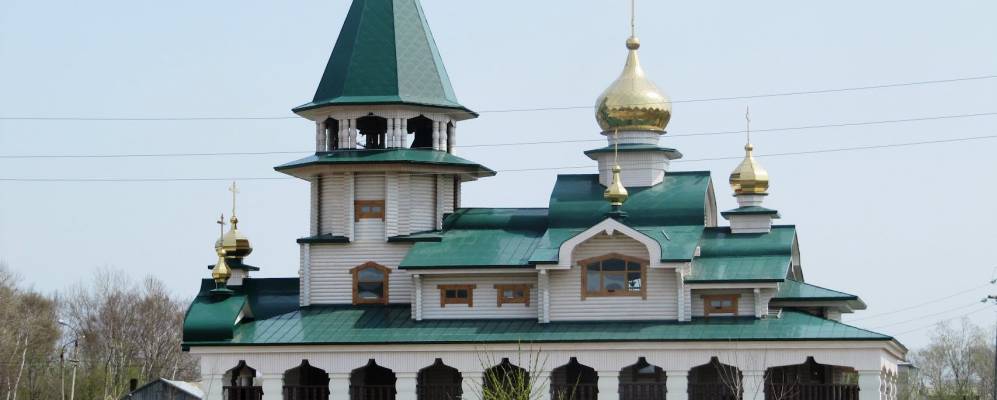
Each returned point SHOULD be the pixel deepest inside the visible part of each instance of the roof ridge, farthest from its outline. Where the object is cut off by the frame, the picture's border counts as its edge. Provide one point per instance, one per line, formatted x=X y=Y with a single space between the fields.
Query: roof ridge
x=822 y=287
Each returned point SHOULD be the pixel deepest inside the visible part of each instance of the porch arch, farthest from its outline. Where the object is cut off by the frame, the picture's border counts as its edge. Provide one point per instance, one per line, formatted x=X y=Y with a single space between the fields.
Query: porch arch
x=439 y=382
x=574 y=381
x=372 y=382
x=505 y=377
x=715 y=381
x=306 y=382
x=239 y=383
x=642 y=381
x=811 y=381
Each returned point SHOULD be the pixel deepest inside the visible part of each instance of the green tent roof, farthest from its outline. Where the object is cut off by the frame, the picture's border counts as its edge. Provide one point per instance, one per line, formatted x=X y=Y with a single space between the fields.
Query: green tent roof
x=394 y=324
x=387 y=156
x=385 y=54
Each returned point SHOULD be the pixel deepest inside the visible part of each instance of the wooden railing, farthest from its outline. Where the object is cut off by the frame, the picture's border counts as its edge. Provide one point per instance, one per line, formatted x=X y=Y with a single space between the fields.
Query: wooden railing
x=711 y=391
x=242 y=392
x=439 y=392
x=642 y=391
x=372 y=392
x=816 y=391
x=579 y=391
x=302 y=392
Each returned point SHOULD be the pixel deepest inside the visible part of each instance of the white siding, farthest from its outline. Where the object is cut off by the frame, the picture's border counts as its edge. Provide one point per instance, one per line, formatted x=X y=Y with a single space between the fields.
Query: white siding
x=369 y=187
x=565 y=287
x=336 y=204
x=404 y=208
x=446 y=194
x=330 y=278
x=391 y=205
x=422 y=203
x=745 y=300
x=485 y=298
x=313 y=211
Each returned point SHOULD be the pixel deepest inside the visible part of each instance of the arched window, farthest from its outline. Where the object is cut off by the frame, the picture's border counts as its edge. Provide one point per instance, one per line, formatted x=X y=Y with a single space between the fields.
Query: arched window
x=505 y=380
x=614 y=275
x=715 y=381
x=574 y=381
x=373 y=129
x=642 y=380
x=372 y=382
x=422 y=129
x=439 y=382
x=370 y=283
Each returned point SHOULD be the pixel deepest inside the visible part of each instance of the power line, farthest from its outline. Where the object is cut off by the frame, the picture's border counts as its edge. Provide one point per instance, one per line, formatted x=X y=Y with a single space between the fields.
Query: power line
x=708 y=133
x=921 y=317
x=819 y=151
x=974 y=288
x=510 y=110
x=943 y=320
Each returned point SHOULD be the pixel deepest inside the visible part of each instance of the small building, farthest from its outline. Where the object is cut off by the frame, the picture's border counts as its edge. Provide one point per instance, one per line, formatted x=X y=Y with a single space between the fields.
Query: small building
x=165 y=389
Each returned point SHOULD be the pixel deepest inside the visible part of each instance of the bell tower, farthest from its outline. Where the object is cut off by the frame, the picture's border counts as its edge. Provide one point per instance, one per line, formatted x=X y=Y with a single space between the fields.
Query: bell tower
x=384 y=168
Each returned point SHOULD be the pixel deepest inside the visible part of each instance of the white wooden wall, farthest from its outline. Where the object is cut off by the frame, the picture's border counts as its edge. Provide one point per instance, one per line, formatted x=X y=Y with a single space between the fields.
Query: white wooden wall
x=330 y=278
x=566 y=303
x=421 y=203
x=485 y=297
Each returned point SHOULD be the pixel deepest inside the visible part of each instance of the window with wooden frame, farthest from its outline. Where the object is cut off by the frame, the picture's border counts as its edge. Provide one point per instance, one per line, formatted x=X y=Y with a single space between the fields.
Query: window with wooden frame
x=720 y=304
x=368 y=209
x=614 y=275
x=515 y=293
x=456 y=294
x=370 y=283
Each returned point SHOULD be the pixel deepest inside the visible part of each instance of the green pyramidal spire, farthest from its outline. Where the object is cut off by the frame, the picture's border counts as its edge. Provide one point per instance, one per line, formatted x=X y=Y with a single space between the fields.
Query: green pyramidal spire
x=385 y=54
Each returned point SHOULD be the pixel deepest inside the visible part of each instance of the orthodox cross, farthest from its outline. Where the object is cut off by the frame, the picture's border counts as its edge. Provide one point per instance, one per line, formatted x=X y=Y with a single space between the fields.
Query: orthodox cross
x=747 y=119
x=221 y=225
x=633 y=18
x=235 y=191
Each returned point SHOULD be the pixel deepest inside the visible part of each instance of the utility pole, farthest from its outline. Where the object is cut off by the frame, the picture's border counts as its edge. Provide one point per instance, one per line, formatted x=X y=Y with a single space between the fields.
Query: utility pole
x=994 y=384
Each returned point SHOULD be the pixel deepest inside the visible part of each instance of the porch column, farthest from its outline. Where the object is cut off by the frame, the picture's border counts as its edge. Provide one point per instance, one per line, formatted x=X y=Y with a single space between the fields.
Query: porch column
x=677 y=385
x=436 y=135
x=870 y=385
x=541 y=384
x=452 y=138
x=405 y=386
x=273 y=386
x=609 y=385
x=212 y=385
x=320 y=138
x=753 y=384
x=470 y=384
x=339 y=386
x=403 y=137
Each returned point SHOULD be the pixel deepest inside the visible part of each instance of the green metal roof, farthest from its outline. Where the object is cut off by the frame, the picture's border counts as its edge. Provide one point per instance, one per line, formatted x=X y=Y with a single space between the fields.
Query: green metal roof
x=482 y=237
x=750 y=210
x=672 y=154
x=387 y=156
x=577 y=201
x=385 y=54
x=743 y=257
x=394 y=324
x=324 y=238
x=211 y=319
x=801 y=291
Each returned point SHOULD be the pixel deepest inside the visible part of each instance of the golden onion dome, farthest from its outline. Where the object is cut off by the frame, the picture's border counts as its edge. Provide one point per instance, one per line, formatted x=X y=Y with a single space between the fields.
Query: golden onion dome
x=749 y=177
x=633 y=102
x=234 y=243
x=221 y=272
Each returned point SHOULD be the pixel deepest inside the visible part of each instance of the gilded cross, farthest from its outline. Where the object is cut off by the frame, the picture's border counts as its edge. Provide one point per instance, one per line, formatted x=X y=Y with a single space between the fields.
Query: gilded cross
x=235 y=191
x=221 y=225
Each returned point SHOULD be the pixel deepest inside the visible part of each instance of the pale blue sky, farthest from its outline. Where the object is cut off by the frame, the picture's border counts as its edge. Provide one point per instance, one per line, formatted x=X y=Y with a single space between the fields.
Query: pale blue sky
x=896 y=226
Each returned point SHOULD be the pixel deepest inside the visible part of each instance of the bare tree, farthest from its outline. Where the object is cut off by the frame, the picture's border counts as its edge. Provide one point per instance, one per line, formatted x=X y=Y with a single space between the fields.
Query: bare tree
x=958 y=363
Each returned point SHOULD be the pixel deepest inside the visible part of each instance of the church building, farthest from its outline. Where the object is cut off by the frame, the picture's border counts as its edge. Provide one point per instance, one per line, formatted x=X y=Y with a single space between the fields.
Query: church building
x=628 y=285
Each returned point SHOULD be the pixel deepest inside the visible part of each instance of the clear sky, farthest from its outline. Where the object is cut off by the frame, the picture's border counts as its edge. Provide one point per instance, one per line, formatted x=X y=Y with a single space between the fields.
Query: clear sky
x=899 y=226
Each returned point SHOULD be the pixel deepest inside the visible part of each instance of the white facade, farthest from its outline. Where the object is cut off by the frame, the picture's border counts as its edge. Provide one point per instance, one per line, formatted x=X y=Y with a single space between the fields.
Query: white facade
x=874 y=363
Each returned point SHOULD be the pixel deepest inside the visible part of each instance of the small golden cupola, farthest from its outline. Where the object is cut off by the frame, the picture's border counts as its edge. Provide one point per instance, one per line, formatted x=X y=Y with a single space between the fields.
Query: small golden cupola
x=221 y=272
x=751 y=184
x=235 y=244
x=749 y=178
x=632 y=102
